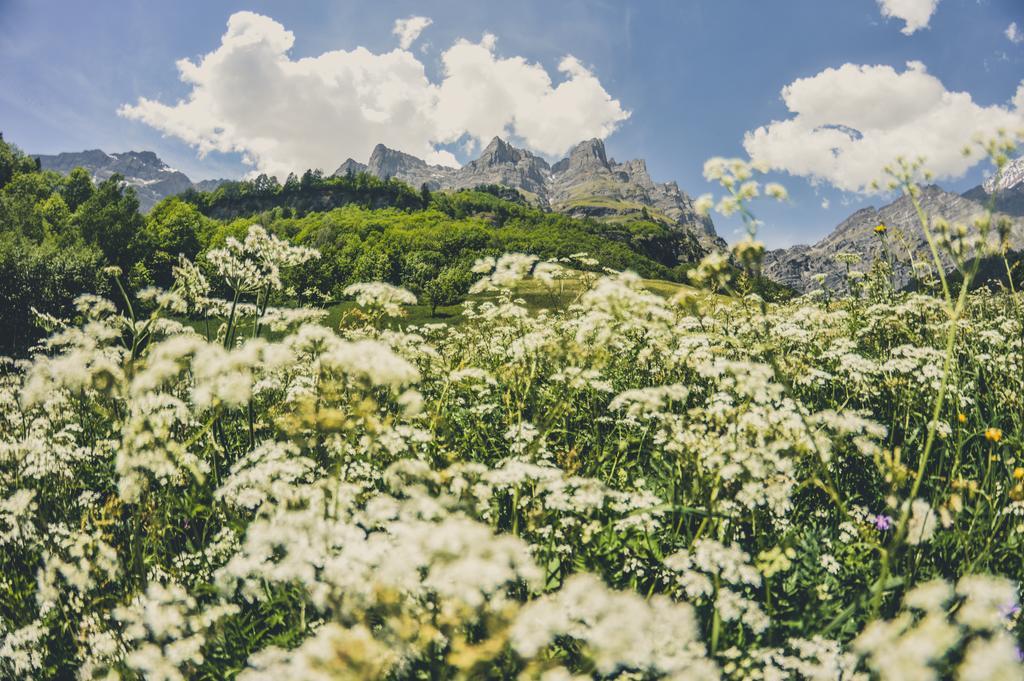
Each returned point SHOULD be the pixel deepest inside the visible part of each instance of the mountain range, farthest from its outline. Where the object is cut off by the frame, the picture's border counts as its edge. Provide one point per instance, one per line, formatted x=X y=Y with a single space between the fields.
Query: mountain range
x=797 y=266
x=151 y=177
x=586 y=183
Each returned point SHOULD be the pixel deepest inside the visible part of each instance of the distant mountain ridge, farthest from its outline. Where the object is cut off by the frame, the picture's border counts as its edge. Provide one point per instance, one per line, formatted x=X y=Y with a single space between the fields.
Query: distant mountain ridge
x=586 y=183
x=797 y=266
x=152 y=179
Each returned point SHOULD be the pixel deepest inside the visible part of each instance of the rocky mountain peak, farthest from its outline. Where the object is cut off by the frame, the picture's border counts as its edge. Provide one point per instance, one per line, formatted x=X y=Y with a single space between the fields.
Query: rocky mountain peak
x=1012 y=177
x=386 y=163
x=350 y=165
x=146 y=172
x=499 y=151
x=148 y=158
x=636 y=171
x=587 y=155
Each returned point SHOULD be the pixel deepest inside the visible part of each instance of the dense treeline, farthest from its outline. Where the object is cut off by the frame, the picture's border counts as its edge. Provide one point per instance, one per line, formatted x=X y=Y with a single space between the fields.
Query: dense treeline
x=300 y=195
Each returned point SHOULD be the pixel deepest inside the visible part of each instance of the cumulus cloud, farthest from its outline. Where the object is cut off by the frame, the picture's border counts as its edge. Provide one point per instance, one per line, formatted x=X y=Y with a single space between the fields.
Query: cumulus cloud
x=283 y=114
x=409 y=29
x=915 y=13
x=849 y=122
x=483 y=96
x=1014 y=34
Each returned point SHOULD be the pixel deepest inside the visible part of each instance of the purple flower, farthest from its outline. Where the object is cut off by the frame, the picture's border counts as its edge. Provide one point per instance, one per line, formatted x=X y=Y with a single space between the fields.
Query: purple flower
x=1009 y=611
x=883 y=523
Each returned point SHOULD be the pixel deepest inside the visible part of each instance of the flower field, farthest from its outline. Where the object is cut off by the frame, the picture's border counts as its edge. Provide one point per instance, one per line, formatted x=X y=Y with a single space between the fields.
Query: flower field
x=631 y=486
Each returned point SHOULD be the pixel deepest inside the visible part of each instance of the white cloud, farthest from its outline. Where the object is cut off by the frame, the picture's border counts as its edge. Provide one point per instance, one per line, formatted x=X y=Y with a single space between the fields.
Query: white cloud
x=249 y=96
x=483 y=95
x=915 y=13
x=409 y=29
x=848 y=123
x=825 y=204
x=1014 y=34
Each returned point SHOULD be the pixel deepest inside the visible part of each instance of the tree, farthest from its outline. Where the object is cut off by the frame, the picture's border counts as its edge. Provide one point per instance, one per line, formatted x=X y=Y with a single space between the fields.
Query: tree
x=311 y=179
x=173 y=228
x=21 y=198
x=46 y=277
x=373 y=265
x=448 y=288
x=425 y=195
x=76 y=188
x=110 y=219
x=13 y=162
x=418 y=268
x=55 y=215
x=264 y=185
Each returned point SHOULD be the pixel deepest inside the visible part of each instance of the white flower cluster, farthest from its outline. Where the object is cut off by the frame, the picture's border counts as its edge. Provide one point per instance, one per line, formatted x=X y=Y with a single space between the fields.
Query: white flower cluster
x=619 y=630
x=714 y=571
x=379 y=295
x=255 y=263
x=923 y=638
x=503 y=272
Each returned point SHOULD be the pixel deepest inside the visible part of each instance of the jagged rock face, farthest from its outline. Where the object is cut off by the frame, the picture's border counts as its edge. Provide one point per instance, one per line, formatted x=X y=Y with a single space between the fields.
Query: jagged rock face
x=501 y=163
x=208 y=185
x=152 y=178
x=587 y=181
x=387 y=163
x=1012 y=177
x=584 y=184
x=1008 y=189
x=797 y=266
x=350 y=166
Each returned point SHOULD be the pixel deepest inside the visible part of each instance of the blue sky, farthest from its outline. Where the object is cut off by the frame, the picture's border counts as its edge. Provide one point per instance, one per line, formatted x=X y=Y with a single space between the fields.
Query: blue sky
x=694 y=76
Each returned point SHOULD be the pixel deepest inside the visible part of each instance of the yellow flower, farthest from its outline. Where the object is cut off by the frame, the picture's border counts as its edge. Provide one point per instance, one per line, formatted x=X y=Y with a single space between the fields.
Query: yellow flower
x=880 y=228
x=1018 y=472
x=993 y=434
x=961 y=417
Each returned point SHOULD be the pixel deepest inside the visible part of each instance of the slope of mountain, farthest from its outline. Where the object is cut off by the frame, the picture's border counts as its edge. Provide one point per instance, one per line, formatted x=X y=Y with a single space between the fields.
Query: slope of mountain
x=208 y=185
x=1008 y=189
x=797 y=266
x=584 y=184
x=151 y=177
